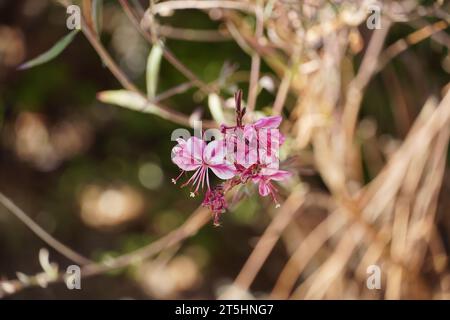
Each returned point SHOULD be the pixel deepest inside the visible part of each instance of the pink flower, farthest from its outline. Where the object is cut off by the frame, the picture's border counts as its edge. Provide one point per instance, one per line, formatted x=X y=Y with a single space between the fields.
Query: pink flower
x=195 y=155
x=267 y=126
x=247 y=153
x=264 y=177
x=258 y=142
x=268 y=122
x=241 y=147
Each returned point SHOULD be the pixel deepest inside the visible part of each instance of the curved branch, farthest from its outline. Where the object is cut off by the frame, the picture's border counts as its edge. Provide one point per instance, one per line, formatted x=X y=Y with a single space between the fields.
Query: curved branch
x=41 y=233
x=195 y=222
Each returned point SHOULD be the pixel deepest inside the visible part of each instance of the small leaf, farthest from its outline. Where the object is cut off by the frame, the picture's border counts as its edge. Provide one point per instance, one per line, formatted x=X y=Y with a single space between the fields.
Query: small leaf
x=52 y=53
x=127 y=99
x=153 y=63
x=22 y=277
x=215 y=106
x=44 y=256
x=50 y=269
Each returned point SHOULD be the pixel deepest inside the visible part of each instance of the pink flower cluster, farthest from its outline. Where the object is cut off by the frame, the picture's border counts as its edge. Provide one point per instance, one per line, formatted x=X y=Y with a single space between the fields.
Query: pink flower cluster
x=244 y=153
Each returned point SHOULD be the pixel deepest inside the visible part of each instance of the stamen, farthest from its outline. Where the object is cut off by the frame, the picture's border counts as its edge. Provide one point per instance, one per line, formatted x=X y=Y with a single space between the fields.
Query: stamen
x=193 y=177
x=203 y=177
x=174 y=181
x=273 y=194
x=198 y=179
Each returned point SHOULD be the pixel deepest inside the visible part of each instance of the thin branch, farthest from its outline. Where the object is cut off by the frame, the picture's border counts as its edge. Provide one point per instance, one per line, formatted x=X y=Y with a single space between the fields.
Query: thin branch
x=149 y=21
x=168 y=6
x=173 y=91
x=358 y=84
x=41 y=233
x=304 y=253
x=193 y=34
x=134 y=20
x=164 y=112
x=196 y=221
x=403 y=44
x=256 y=60
x=440 y=37
x=282 y=92
x=267 y=241
x=106 y=58
x=285 y=84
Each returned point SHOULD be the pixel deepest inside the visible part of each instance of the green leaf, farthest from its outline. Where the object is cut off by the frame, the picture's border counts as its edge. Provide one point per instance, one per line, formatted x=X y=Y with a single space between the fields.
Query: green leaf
x=153 y=63
x=52 y=53
x=127 y=99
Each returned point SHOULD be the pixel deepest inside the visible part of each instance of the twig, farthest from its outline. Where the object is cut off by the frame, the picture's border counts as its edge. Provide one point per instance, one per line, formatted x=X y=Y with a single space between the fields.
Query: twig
x=286 y=83
x=192 y=34
x=304 y=253
x=134 y=20
x=403 y=44
x=164 y=112
x=256 y=60
x=42 y=234
x=439 y=37
x=268 y=240
x=148 y=20
x=358 y=84
x=106 y=58
x=317 y=284
x=173 y=91
x=168 y=6
x=197 y=220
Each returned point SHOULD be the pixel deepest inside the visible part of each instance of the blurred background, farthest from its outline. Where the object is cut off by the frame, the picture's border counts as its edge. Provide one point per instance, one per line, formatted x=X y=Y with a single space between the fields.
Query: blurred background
x=98 y=177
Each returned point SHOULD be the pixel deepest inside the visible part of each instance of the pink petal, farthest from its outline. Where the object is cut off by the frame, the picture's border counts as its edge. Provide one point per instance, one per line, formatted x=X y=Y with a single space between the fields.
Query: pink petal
x=264 y=189
x=246 y=159
x=280 y=175
x=272 y=161
x=214 y=152
x=185 y=164
x=223 y=171
x=178 y=148
x=282 y=139
x=195 y=147
x=250 y=132
x=268 y=122
x=269 y=144
x=183 y=158
x=246 y=155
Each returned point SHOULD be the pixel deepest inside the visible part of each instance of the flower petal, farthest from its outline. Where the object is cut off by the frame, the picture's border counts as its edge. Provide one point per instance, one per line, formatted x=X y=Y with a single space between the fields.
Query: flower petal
x=183 y=158
x=264 y=188
x=195 y=147
x=280 y=175
x=271 y=161
x=214 y=152
x=223 y=171
x=268 y=122
x=282 y=139
x=184 y=164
